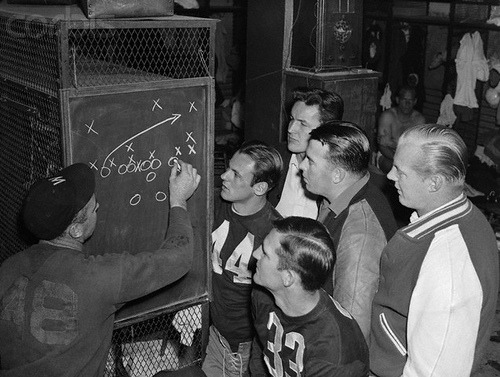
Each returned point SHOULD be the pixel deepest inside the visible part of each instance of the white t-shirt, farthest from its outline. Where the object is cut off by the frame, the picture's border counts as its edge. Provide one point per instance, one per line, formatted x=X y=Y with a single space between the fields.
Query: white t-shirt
x=295 y=200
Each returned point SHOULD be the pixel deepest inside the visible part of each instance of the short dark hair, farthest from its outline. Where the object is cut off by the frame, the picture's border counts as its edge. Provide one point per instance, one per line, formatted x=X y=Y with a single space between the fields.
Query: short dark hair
x=330 y=104
x=306 y=248
x=268 y=162
x=348 y=145
x=407 y=89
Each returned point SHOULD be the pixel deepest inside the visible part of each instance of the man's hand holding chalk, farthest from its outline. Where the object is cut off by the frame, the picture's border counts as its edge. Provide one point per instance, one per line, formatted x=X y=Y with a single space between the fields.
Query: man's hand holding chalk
x=183 y=181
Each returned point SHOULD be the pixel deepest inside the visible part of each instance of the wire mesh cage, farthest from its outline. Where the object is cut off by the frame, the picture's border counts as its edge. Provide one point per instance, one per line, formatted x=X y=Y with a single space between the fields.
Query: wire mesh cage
x=166 y=342
x=115 y=56
x=51 y=49
x=30 y=141
x=29 y=53
x=54 y=48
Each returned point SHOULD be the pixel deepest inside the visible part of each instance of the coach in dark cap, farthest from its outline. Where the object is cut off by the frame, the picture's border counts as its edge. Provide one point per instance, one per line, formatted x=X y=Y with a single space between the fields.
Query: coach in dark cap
x=57 y=304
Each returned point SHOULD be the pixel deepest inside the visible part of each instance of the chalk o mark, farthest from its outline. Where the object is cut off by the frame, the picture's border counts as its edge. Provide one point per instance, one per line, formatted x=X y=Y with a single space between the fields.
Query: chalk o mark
x=122 y=169
x=155 y=164
x=151 y=176
x=135 y=200
x=161 y=196
x=105 y=171
x=173 y=161
x=146 y=165
x=131 y=168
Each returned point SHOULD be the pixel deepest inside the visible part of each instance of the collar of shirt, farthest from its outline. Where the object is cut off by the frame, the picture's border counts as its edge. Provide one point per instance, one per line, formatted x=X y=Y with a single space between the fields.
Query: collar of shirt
x=294 y=162
x=414 y=216
x=295 y=200
x=342 y=201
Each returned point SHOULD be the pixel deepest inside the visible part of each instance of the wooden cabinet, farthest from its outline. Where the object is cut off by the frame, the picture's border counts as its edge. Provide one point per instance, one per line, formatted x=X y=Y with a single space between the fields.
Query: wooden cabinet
x=326 y=34
x=271 y=78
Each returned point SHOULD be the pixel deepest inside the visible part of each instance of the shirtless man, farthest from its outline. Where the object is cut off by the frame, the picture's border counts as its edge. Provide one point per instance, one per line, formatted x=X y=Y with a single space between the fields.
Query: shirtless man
x=393 y=122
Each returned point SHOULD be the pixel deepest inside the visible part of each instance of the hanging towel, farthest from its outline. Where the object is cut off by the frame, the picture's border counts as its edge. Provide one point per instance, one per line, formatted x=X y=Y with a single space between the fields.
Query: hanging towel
x=447 y=116
x=385 y=100
x=471 y=66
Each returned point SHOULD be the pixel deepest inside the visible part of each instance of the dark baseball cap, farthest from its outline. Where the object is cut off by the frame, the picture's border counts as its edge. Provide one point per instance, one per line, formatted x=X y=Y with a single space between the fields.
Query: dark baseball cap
x=53 y=202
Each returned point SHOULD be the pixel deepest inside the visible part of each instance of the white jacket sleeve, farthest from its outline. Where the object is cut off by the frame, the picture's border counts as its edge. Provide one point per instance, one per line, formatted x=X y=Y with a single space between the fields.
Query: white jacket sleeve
x=444 y=312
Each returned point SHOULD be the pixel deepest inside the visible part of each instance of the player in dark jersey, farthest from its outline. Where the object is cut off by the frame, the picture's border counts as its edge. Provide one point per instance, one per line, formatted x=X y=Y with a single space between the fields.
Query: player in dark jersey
x=243 y=217
x=301 y=330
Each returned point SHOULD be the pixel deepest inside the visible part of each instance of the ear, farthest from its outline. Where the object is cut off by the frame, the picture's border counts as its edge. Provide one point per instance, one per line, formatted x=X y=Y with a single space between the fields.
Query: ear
x=75 y=230
x=435 y=183
x=288 y=277
x=260 y=188
x=338 y=175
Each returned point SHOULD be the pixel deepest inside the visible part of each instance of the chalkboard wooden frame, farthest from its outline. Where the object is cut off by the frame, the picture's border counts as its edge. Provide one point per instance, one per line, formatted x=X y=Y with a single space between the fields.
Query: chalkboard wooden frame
x=130 y=134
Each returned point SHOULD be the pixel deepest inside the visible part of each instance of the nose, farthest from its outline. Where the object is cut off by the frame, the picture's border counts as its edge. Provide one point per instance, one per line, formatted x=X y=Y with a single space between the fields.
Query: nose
x=225 y=174
x=303 y=165
x=257 y=253
x=292 y=125
x=392 y=174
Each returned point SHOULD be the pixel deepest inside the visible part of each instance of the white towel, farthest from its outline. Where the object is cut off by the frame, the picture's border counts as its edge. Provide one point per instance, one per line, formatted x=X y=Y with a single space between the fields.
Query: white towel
x=385 y=100
x=187 y=321
x=471 y=66
x=447 y=116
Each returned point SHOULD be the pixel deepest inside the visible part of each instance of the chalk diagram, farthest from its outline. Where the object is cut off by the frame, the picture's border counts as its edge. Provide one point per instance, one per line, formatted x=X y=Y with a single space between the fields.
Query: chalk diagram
x=136 y=165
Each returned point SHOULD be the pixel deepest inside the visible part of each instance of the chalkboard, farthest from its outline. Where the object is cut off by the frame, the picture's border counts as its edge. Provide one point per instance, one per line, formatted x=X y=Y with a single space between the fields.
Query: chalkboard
x=130 y=136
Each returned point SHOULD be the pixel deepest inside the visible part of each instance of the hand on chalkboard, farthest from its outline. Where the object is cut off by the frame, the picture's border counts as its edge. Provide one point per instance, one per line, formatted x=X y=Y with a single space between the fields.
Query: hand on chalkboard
x=183 y=183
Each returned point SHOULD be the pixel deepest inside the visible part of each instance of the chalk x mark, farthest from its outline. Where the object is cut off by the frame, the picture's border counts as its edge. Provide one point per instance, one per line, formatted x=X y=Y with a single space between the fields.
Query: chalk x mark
x=190 y=136
x=90 y=128
x=156 y=104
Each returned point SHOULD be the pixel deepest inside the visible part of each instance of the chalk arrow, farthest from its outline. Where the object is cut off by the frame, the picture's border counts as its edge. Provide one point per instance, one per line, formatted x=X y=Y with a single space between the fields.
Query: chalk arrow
x=173 y=118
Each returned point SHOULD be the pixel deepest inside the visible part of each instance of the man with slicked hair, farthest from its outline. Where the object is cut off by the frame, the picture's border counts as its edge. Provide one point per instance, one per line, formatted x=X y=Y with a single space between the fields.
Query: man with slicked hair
x=435 y=306
x=242 y=219
x=301 y=330
x=353 y=209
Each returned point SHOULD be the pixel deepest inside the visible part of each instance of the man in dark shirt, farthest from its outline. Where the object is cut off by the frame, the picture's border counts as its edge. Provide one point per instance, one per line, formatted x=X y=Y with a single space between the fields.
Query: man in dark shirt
x=301 y=330
x=57 y=304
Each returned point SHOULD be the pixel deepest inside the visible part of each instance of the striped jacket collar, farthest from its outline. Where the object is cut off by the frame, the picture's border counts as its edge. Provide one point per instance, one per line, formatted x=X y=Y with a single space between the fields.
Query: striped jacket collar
x=439 y=218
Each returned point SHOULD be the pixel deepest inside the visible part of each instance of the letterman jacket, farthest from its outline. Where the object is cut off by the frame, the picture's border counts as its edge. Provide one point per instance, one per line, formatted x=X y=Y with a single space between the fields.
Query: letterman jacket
x=436 y=302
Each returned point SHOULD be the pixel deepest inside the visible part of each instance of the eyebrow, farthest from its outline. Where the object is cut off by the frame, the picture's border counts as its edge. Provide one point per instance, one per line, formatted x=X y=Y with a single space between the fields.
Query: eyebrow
x=263 y=249
x=236 y=172
x=233 y=169
x=398 y=169
x=308 y=156
x=298 y=119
